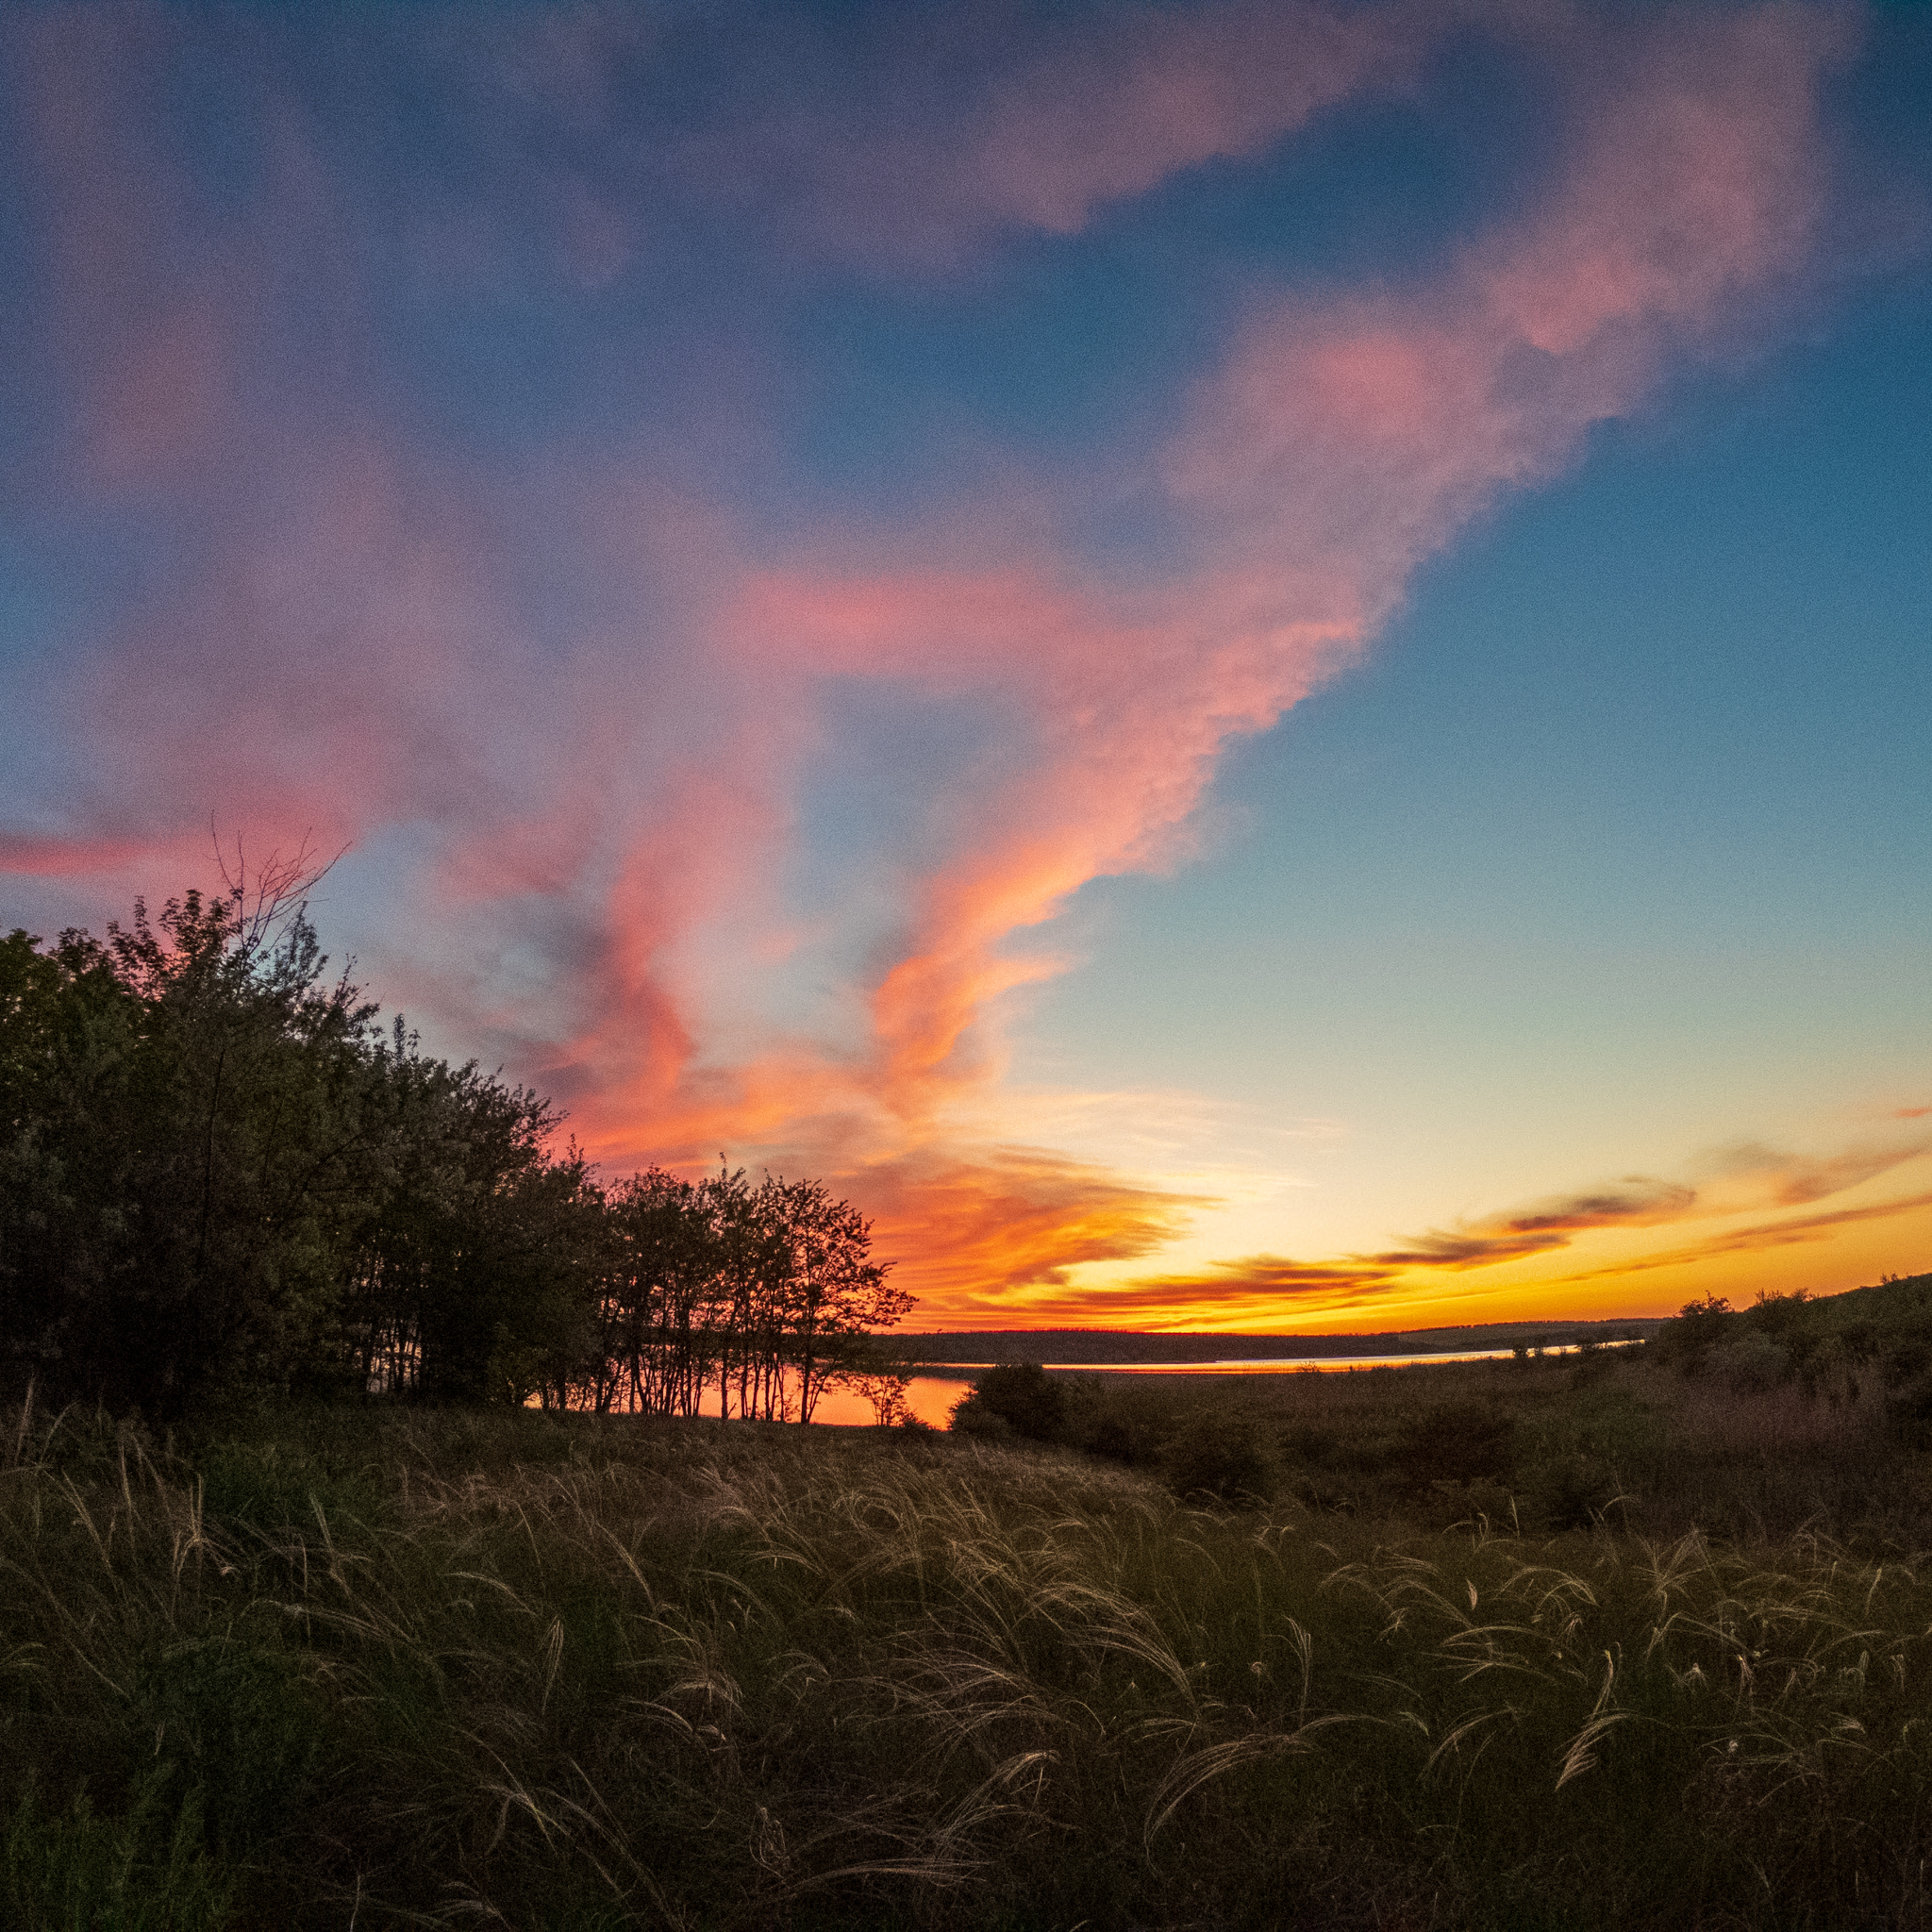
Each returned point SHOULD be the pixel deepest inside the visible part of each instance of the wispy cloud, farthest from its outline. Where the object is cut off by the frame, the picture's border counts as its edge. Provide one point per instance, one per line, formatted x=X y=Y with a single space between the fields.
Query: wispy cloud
x=58 y=858
x=578 y=694
x=1062 y=119
x=1793 y=1232
x=991 y=1231
x=1747 y=1181
x=1792 y=1180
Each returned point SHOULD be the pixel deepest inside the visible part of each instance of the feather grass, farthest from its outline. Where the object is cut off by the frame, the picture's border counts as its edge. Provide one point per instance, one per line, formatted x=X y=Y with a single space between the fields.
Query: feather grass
x=541 y=1671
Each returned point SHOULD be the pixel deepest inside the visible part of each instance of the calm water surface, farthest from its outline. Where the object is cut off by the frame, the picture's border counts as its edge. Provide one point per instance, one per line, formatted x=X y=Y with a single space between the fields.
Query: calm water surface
x=932 y=1394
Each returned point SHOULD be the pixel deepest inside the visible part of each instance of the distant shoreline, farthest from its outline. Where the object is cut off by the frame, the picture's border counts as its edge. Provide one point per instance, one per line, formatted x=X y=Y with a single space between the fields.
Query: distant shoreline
x=1108 y=1348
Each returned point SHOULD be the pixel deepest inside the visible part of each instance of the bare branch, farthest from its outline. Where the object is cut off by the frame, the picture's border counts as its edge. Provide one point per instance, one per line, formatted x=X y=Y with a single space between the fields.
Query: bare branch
x=278 y=889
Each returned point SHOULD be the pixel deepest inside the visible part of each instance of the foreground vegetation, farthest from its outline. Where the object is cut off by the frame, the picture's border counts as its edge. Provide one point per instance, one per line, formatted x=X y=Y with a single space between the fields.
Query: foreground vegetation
x=390 y=1666
x=1795 y=1416
x=219 y=1176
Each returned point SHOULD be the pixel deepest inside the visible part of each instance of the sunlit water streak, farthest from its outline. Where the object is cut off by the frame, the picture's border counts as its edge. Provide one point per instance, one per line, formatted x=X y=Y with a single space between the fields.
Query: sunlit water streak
x=930 y=1395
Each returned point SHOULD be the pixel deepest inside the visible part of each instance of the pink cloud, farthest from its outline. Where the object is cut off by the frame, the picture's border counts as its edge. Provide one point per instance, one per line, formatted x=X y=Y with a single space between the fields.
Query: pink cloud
x=59 y=858
x=972 y=124
x=1358 y=435
x=1165 y=92
x=354 y=648
x=1703 y=177
x=1341 y=441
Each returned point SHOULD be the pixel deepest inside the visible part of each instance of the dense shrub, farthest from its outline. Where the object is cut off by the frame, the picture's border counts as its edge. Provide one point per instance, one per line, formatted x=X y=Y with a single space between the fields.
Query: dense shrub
x=1222 y=1457
x=1573 y=1492
x=1457 y=1441
x=1025 y=1397
x=971 y=1417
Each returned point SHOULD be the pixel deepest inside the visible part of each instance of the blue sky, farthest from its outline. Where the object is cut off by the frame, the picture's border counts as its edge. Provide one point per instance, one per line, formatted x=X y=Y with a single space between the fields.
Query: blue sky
x=1246 y=663
x=1618 y=836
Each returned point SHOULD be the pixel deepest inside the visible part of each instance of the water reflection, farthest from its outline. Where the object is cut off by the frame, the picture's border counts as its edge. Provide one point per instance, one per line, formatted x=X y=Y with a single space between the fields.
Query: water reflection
x=931 y=1397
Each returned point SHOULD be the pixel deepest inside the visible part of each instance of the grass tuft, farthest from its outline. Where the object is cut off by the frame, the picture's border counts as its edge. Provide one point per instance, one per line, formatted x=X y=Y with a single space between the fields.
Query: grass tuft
x=419 y=1668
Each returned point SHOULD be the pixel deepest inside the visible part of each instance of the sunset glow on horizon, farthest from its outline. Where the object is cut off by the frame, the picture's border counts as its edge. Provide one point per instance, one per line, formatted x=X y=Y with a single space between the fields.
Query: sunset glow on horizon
x=1258 y=665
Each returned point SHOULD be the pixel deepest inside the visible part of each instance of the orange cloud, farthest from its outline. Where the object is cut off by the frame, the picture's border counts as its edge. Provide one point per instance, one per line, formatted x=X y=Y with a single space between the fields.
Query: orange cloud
x=1274 y=1283
x=977 y=1237
x=1769 y=1234
x=1232 y=1292
x=600 y=823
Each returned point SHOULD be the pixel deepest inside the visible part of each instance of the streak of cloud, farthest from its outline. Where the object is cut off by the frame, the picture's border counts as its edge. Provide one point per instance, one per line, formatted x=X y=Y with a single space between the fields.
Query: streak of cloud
x=992 y=1231
x=1794 y=1232
x=1065 y=120
x=1749 y=1179
x=1344 y=440
x=1794 y=1180
x=584 y=693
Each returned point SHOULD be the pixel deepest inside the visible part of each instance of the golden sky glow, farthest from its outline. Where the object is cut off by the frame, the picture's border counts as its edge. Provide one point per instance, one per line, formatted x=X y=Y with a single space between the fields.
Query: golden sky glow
x=1248 y=666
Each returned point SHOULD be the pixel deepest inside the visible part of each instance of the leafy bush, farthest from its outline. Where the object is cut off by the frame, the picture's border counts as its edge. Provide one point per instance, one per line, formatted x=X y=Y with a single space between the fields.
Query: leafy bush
x=221 y=1183
x=1122 y=1419
x=1751 y=1361
x=971 y=1417
x=1457 y=1441
x=1111 y=1438
x=1483 y=1505
x=1224 y=1458
x=1910 y=1412
x=1699 y=1327
x=1025 y=1397
x=1573 y=1492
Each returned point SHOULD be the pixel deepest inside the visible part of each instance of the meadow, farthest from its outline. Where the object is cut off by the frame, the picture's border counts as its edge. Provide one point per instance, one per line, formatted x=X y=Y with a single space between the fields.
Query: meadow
x=1610 y=1642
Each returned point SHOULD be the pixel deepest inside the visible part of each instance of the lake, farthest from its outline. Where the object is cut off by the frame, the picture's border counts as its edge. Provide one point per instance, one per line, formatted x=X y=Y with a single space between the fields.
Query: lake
x=932 y=1393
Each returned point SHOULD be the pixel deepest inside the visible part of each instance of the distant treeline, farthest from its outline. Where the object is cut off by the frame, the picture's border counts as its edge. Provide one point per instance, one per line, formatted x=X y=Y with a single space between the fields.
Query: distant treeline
x=1103 y=1347
x=220 y=1175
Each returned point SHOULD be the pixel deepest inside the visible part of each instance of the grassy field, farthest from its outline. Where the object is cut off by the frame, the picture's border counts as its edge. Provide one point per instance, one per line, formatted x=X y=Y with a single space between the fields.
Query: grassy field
x=1597 y=1643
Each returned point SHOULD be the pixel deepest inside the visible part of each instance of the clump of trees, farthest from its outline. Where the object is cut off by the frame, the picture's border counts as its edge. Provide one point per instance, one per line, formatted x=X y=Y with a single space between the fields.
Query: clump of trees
x=766 y=1294
x=220 y=1174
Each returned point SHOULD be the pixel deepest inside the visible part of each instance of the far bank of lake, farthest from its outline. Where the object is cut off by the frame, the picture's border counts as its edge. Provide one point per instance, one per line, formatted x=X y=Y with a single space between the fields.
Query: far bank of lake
x=934 y=1388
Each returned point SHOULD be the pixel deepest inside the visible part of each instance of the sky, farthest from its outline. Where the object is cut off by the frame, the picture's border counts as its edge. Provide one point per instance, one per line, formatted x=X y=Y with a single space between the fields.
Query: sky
x=1248 y=666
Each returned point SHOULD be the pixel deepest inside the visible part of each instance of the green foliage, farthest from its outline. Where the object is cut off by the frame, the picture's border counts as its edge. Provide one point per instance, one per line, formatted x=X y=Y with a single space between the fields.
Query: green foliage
x=1222 y=1458
x=186 y=1154
x=468 y=1281
x=221 y=1183
x=1558 y=1444
x=137 y=1873
x=1457 y=1441
x=560 y=1670
x=763 y=1295
x=1026 y=1398
x=1830 y=1346
x=1573 y=1491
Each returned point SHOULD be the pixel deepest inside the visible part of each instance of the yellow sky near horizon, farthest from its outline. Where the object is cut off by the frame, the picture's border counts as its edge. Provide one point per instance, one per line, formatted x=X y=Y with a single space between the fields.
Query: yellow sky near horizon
x=1747 y=1221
